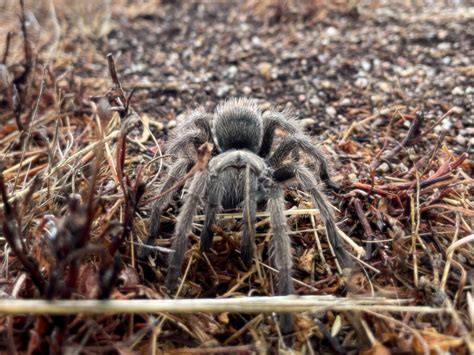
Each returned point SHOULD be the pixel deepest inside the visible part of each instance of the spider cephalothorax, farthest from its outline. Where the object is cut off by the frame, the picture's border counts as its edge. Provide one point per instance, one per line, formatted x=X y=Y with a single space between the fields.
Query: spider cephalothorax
x=244 y=172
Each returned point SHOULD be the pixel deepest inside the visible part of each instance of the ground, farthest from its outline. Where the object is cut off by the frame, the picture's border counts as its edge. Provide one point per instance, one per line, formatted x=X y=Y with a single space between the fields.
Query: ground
x=385 y=87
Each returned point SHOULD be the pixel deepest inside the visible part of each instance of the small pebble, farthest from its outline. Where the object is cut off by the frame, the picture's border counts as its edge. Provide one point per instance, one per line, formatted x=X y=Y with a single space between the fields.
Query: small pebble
x=315 y=100
x=265 y=70
x=308 y=122
x=470 y=131
x=460 y=140
x=326 y=84
x=361 y=83
x=385 y=87
x=331 y=111
x=172 y=124
x=458 y=91
x=223 y=90
x=346 y=102
x=232 y=71
x=376 y=99
x=366 y=65
x=332 y=32
x=383 y=168
x=247 y=90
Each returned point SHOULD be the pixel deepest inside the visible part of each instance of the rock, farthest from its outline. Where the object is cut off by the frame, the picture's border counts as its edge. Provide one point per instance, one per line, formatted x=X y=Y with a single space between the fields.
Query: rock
x=301 y=98
x=447 y=124
x=346 y=102
x=385 y=87
x=172 y=124
x=458 y=91
x=232 y=71
x=460 y=140
x=331 y=111
x=247 y=90
x=256 y=41
x=366 y=65
x=376 y=99
x=377 y=122
x=308 y=122
x=223 y=90
x=326 y=84
x=332 y=32
x=383 y=168
x=265 y=70
x=315 y=100
x=361 y=83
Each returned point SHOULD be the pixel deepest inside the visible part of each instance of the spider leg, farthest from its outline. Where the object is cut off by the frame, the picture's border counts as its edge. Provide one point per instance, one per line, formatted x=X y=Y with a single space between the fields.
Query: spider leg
x=192 y=133
x=301 y=142
x=199 y=119
x=183 y=228
x=271 y=121
x=309 y=184
x=214 y=200
x=177 y=171
x=185 y=140
x=280 y=246
x=253 y=165
x=249 y=216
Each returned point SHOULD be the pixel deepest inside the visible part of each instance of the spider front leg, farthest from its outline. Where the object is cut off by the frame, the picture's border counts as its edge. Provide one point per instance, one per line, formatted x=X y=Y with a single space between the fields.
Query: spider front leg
x=192 y=134
x=177 y=171
x=214 y=200
x=309 y=184
x=301 y=142
x=271 y=121
x=280 y=246
x=183 y=228
x=249 y=216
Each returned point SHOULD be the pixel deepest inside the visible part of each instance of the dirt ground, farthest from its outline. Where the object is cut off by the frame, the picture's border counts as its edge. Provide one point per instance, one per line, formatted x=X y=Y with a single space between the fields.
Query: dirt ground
x=386 y=87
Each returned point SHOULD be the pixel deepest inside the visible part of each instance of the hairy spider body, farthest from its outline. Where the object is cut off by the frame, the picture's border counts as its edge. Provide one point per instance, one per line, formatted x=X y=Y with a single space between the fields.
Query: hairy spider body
x=244 y=173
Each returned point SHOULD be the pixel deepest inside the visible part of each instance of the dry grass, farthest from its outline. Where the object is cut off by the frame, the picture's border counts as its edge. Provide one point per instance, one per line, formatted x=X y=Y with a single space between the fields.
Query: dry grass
x=78 y=164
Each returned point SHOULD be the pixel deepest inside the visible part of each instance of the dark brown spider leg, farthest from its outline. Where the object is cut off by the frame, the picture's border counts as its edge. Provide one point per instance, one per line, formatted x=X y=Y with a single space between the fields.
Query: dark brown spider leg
x=309 y=184
x=214 y=200
x=249 y=216
x=280 y=247
x=177 y=171
x=290 y=144
x=271 y=121
x=183 y=228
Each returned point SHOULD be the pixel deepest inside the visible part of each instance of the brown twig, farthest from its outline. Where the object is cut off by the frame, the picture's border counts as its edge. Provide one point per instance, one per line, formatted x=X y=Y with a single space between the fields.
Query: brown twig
x=409 y=139
x=13 y=237
x=365 y=225
x=27 y=49
x=7 y=47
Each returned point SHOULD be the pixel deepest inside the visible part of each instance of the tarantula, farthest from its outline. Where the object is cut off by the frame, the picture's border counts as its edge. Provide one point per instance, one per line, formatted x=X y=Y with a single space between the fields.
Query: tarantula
x=243 y=172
